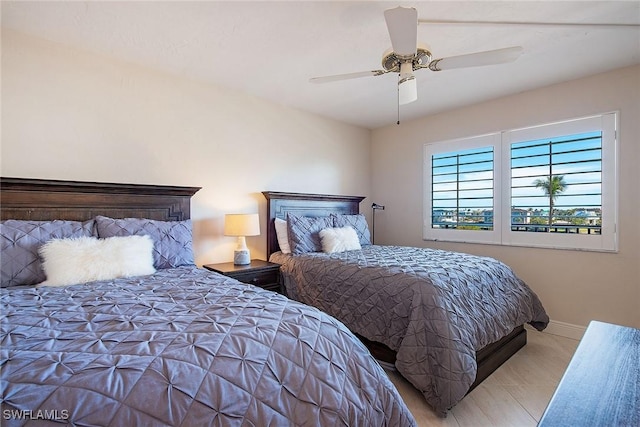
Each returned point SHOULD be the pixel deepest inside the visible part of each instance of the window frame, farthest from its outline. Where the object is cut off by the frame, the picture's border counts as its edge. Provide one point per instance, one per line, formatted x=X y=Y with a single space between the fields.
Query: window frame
x=502 y=234
x=471 y=236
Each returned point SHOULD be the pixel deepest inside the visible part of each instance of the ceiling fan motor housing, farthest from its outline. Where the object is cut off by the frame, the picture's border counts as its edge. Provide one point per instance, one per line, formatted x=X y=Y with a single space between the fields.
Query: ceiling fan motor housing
x=391 y=61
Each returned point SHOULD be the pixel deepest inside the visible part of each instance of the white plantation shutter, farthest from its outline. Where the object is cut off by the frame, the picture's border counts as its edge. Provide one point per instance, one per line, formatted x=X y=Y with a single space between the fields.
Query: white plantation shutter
x=483 y=189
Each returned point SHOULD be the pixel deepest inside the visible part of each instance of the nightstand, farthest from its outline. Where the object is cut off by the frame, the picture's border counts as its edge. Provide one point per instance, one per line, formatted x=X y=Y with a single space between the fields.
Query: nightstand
x=260 y=273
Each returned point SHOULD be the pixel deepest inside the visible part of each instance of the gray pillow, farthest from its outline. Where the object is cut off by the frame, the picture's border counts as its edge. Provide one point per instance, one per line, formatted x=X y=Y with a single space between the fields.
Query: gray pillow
x=172 y=240
x=358 y=222
x=21 y=239
x=303 y=232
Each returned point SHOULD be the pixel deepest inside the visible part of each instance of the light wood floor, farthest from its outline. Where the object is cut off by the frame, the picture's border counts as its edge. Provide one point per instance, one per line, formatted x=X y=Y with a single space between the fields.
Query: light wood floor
x=515 y=395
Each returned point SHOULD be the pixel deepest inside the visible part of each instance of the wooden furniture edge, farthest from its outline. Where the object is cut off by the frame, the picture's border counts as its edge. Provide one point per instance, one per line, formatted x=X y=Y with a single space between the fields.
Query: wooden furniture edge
x=601 y=383
x=42 y=200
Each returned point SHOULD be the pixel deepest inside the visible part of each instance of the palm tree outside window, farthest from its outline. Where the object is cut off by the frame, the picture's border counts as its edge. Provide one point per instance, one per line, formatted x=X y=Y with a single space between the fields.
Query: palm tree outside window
x=552 y=187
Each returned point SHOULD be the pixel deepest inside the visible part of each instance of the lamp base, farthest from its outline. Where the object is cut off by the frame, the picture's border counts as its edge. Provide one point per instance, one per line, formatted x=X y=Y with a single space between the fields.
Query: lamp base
x=241 y=257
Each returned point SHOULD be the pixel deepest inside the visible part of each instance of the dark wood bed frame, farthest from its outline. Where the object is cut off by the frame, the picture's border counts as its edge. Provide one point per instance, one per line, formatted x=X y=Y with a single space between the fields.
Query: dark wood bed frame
x=45 y=200
x=279 y=204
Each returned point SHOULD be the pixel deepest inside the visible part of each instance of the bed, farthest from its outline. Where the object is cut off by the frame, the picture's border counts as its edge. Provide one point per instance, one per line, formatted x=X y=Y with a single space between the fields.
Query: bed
x=179 y=347
x=445 y=320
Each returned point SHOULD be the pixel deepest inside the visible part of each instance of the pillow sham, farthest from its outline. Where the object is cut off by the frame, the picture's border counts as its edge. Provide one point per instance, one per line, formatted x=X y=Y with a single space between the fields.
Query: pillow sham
x=20 y=240
x=173 y=244
x=282 y=235
x=87 y=259
x=303 y=232
x=339 y=239
x=359 y=224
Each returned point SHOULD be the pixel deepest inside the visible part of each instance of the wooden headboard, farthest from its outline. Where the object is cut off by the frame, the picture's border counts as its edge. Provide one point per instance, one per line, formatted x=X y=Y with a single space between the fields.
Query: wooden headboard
x=279 y=204
x=44 y=200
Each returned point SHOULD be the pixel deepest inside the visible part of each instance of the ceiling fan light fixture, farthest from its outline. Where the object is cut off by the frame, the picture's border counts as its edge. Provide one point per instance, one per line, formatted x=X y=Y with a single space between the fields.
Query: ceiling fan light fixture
x=407 y=90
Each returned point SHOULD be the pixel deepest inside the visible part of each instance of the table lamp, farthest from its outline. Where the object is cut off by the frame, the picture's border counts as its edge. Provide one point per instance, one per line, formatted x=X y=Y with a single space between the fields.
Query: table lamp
x=241 y=225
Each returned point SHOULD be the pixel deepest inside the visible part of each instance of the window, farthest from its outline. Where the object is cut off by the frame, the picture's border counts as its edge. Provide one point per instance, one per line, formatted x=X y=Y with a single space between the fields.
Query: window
x=547 y=186
x=462 y=189
x=557 y=183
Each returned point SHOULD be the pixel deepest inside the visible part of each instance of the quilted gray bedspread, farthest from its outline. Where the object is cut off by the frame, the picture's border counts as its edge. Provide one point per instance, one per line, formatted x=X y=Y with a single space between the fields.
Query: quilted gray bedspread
x=184 y=347
x=434 y=308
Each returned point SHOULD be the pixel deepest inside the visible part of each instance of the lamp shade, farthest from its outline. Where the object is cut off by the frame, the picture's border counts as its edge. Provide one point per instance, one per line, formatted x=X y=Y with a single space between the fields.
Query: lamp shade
x=241 y=225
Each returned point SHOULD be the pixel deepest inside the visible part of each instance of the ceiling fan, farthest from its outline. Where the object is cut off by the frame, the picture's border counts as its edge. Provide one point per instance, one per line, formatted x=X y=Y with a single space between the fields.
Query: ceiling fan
x=407 y=55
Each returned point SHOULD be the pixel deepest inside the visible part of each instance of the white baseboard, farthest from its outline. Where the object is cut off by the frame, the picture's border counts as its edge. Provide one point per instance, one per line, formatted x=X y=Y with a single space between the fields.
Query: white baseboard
x=566 y=330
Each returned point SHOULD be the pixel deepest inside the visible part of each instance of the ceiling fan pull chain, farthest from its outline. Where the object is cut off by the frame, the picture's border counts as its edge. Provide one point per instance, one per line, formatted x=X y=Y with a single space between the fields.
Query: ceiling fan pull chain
x=398 y=103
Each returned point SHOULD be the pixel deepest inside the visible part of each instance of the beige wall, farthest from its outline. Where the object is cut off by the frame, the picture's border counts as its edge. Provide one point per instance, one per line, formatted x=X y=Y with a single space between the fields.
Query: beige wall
x=574 y=286
x=68 y=114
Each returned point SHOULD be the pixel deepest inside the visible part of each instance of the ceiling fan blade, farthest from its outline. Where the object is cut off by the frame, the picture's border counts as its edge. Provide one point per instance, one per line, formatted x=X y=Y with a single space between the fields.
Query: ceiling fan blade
x=402 y=23
x=528 y=23
x=488 y=57
x=337 y=77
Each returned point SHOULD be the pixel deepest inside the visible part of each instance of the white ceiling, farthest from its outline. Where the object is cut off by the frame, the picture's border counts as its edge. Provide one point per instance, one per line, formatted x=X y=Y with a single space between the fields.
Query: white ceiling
x=271 y=49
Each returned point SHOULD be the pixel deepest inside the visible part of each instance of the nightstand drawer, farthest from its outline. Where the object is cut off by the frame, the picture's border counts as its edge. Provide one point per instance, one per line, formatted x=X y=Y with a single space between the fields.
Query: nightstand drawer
x=259 y=273
x=262 y=279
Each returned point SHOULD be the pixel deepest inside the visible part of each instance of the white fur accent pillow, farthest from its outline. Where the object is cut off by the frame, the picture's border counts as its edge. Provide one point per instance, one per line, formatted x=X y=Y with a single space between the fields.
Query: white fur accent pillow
x=339 y=239
x=283 y=235
x=87 y=259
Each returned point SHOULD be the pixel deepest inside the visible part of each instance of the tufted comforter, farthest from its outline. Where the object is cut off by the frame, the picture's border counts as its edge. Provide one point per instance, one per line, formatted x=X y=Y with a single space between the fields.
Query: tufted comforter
x=434 y=308
x=184 y=347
